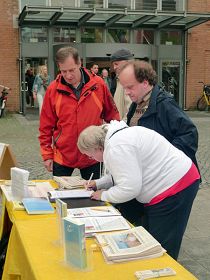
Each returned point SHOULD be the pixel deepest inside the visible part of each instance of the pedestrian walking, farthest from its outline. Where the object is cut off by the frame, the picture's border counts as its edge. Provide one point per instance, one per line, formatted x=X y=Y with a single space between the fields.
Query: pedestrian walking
x=41 y=82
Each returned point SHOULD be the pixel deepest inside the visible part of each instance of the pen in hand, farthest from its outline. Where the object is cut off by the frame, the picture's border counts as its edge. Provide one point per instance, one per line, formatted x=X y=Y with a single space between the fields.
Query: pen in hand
x=88 y=182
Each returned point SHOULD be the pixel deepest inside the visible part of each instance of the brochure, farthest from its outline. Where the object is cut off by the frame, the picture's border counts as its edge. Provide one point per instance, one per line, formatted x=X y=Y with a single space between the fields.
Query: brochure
x=36 y=205
x=74 y=243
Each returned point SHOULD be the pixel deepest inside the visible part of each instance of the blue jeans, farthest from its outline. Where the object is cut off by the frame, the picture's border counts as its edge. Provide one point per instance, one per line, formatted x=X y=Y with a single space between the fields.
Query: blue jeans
x=167 y=220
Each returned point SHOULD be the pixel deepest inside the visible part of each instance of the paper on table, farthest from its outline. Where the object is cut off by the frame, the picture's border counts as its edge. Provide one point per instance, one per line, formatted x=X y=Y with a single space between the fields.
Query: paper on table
x=41 y=189
x=101 y=224
x=70 y=194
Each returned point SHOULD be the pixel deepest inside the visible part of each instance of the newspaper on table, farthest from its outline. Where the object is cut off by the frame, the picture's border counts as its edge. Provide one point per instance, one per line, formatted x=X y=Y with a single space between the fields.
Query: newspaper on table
x=135 y=243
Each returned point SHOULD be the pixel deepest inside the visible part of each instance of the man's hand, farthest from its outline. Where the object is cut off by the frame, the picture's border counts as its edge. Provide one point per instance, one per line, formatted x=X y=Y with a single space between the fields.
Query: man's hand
x=97 y=195
x=90 y=186
x=48 y=165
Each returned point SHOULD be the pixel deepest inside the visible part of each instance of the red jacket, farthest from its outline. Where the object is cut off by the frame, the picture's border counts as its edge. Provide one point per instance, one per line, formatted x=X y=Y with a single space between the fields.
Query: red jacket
x=63 y=117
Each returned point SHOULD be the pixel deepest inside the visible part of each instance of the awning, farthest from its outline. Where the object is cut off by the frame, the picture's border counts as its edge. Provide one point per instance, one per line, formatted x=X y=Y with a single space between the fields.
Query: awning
x=49 y=16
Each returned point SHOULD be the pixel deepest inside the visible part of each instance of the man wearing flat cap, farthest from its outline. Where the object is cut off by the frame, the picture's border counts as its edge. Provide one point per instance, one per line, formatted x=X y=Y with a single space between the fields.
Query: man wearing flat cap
x=123 y=102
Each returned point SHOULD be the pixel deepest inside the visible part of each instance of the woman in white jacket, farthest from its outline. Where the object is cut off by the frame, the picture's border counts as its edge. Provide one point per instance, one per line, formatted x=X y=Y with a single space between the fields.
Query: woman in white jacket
x=142 y=164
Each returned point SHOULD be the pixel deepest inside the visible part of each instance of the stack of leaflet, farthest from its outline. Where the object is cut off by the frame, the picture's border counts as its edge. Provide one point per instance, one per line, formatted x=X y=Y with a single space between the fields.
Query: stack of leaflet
x=19 y=183
x=69 y=182
x=133 y=244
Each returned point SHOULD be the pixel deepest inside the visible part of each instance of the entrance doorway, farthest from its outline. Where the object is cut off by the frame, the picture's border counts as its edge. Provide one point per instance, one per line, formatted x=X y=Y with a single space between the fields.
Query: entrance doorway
x=30 y=66
x=170 y=71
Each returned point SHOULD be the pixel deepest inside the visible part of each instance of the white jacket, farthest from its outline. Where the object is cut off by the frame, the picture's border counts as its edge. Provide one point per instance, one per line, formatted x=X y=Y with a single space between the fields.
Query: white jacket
x=142 y=163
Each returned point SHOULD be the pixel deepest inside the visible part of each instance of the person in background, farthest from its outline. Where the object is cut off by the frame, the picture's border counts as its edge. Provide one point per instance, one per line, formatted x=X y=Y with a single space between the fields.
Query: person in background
x=94 y=69
x=41 y=82
x=106 y=78
x=73 y=101
x=113 y=82
x=130 y=209
x=122 y=101
x=142 y=164
x=29 y=78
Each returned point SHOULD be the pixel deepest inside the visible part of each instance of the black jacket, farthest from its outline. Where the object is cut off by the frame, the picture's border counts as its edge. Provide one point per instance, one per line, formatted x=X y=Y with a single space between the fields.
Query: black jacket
x=167 y=118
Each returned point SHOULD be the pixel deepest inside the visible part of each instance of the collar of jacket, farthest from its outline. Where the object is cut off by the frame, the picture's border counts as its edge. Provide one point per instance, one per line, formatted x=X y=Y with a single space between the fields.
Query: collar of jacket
x=152 y=109
x=65 y=89
x=157 y=95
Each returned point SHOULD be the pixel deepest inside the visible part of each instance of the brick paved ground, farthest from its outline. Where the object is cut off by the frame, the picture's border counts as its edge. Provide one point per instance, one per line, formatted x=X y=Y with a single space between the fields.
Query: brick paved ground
x=22 y=132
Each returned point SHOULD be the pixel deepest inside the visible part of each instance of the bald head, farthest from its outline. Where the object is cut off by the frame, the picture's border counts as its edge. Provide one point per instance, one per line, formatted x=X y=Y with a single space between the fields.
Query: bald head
x=137 y=79
x=104 y=73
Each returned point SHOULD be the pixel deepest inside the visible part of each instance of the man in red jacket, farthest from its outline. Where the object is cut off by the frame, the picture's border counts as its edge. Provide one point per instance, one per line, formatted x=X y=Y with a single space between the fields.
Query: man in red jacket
x=73 y=101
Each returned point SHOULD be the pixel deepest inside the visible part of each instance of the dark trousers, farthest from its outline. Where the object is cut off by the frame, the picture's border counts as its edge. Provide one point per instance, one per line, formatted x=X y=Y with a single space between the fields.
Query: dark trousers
x=132 y=211
x=61 y=170
x=167 y=220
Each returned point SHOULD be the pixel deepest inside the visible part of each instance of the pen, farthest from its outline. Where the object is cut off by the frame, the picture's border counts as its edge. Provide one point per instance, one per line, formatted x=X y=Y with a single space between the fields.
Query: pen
x=91 y=176
x=100 y=209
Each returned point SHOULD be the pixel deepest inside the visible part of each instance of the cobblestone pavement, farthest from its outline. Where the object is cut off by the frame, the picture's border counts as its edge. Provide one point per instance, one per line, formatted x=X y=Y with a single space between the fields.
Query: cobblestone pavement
x=22 y=135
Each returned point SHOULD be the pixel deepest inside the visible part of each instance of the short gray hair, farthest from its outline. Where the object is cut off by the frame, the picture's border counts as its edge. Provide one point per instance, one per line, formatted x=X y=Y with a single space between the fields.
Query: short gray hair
x=92 y=137
x=65 y=52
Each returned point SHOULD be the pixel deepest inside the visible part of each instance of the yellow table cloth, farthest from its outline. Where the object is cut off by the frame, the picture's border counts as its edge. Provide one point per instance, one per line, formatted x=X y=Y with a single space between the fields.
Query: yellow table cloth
x=34 y=253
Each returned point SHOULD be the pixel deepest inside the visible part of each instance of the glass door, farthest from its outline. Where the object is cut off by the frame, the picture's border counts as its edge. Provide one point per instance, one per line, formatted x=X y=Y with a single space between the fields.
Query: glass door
x=170 y=77
x=29 y=69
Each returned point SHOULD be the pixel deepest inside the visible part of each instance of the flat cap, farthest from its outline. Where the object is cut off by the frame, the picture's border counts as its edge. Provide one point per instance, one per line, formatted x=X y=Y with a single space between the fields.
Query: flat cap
x=122 y=54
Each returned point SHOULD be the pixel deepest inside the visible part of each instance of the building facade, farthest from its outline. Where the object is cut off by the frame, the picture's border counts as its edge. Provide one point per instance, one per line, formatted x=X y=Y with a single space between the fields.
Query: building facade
x=9 y=51
x=197 y=55
x=164 y=32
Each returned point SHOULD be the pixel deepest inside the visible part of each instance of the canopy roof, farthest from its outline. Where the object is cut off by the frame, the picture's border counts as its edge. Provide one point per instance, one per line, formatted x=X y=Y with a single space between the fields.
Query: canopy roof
x=49 y=16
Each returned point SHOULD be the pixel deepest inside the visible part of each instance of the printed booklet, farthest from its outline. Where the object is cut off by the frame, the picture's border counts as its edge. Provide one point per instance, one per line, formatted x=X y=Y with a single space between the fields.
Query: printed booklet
x=35 y=205
x=74 y=243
